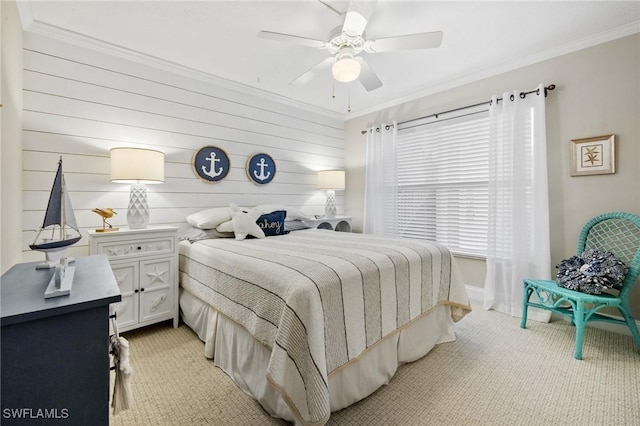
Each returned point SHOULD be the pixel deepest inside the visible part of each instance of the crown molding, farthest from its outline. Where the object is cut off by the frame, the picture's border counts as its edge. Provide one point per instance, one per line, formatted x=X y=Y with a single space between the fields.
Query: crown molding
x=29 y=24
x=26 y=15
x=82 y=40
x=477 y=75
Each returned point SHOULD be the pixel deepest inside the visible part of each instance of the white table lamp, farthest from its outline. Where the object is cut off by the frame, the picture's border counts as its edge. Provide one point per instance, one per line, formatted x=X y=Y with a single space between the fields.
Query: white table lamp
x=331 y=180
x=138 y=167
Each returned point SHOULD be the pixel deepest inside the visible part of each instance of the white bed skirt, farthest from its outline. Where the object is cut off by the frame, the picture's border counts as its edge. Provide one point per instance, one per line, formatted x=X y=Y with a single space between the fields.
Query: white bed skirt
x=245 y=359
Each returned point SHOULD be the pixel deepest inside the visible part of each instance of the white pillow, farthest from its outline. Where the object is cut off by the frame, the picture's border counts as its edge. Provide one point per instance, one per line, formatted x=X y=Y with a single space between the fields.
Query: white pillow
x=193 y=234
x=210 y=218
x=294 y=213
x=225 y=226
x=244 y=222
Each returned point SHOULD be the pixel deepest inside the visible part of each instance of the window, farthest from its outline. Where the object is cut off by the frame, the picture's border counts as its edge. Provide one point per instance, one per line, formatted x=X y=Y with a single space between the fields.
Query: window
x=442 y=169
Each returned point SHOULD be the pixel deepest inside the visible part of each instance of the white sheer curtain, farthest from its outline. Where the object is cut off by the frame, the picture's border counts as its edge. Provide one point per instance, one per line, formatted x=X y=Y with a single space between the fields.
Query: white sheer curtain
x=518 y=231
x=381 y=182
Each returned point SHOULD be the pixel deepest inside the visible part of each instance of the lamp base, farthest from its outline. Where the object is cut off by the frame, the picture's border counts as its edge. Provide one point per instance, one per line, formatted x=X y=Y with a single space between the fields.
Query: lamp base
x=138 y=213
x=330 y=207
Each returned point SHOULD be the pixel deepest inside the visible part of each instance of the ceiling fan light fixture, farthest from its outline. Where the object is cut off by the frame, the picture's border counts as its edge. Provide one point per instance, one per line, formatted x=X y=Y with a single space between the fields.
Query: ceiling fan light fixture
x=346 y=69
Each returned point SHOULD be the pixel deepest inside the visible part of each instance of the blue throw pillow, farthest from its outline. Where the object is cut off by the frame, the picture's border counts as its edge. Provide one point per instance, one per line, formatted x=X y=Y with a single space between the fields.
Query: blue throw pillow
x=272 y=223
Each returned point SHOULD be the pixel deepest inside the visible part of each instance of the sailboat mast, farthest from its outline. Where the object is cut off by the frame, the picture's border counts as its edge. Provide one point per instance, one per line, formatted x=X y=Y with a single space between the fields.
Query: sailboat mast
x=62 y=221
x=62 y=211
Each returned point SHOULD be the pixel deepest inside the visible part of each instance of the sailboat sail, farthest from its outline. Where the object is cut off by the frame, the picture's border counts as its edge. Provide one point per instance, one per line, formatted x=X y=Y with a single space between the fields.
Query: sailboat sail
x=54 y=212
x=70 y=218
x=59 y=216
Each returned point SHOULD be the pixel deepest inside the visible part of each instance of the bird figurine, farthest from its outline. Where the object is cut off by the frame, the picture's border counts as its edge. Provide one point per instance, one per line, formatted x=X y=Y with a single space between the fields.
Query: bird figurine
x=106 y=213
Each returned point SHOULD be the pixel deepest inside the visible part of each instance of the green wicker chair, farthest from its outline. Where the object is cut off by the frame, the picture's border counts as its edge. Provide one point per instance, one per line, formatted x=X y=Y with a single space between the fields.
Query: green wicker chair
x=618 y=233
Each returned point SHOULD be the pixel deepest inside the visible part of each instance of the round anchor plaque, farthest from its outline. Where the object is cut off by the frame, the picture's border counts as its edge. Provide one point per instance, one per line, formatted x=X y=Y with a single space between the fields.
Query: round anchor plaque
x=211 y=164
x=261 y=168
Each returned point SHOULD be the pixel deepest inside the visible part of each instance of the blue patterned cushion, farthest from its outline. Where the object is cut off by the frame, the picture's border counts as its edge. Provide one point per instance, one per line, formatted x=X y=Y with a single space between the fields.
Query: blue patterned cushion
x=272 y=223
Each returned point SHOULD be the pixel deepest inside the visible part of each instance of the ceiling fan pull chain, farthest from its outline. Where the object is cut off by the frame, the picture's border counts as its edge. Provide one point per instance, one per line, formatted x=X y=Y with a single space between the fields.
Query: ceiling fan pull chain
x=349 y=100
x=333 y=88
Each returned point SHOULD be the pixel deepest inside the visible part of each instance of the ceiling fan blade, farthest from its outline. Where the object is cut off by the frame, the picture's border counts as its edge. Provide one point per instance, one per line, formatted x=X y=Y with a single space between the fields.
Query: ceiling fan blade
x=357 y=17
x=367 y=77
x=407 y=42
x=332 y=8
x=304 y=41
x=308 y=75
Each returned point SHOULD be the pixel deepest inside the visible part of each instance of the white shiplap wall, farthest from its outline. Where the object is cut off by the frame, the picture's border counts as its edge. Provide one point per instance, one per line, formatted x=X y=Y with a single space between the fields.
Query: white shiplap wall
x=80 y=102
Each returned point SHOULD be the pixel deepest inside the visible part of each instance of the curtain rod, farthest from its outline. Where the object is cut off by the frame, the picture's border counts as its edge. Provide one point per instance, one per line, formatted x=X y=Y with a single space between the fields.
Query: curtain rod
x=522 y=95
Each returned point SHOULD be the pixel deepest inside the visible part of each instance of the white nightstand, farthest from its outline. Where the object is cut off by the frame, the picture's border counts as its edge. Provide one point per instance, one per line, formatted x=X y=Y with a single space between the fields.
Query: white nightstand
x=145 y=265
x=338 y=223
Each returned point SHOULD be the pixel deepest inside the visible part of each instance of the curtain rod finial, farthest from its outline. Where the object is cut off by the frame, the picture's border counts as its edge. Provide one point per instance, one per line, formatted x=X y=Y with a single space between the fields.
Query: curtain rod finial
x=549 y=88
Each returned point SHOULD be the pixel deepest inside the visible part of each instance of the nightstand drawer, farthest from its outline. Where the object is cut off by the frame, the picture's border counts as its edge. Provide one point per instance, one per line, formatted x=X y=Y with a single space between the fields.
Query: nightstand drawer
x=130 y=249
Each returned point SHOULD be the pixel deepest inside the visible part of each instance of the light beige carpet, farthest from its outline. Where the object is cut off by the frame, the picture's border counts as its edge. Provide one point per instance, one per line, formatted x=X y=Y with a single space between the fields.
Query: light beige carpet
x=494 y=374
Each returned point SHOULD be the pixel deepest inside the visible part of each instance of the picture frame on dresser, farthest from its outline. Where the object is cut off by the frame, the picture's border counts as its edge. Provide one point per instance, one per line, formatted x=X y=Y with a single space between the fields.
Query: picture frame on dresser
x=145 y=265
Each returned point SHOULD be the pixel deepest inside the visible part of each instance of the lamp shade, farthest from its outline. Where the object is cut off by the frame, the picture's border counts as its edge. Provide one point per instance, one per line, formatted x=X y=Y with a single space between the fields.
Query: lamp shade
x=137 y=165
x=331 y=179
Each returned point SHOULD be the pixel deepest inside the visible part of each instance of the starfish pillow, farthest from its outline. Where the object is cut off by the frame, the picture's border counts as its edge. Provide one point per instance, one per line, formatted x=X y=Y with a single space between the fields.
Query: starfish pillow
x=244 y=223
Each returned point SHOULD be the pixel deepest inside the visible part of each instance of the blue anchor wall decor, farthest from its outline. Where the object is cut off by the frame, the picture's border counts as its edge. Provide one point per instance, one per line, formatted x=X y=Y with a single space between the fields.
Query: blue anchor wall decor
x=211 y=164
x=261 y=168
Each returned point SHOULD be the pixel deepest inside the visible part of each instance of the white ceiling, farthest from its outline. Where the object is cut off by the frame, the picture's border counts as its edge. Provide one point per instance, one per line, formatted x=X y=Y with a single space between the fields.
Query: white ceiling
x=219 y=38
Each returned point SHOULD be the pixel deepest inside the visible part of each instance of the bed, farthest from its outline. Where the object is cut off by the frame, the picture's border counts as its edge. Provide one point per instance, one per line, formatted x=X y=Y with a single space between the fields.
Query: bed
x=313 y=321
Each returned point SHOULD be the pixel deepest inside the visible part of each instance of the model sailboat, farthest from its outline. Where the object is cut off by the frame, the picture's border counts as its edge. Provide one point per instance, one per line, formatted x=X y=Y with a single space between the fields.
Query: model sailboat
x=59 y=231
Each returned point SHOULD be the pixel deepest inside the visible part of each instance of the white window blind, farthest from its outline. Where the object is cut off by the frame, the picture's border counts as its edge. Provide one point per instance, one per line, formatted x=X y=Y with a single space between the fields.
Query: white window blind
x=442 y=172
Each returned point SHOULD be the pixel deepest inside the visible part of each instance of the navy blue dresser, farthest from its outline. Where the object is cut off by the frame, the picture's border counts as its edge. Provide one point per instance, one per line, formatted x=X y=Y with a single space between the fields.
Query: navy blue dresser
x=55 y=360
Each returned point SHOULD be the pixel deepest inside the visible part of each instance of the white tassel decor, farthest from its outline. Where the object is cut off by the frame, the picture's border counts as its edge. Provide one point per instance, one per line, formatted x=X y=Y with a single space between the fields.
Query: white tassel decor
x=122 y=395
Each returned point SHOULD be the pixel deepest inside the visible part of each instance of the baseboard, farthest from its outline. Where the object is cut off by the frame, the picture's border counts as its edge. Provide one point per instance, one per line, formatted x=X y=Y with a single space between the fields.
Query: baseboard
x=476 y=294
x=476 y=297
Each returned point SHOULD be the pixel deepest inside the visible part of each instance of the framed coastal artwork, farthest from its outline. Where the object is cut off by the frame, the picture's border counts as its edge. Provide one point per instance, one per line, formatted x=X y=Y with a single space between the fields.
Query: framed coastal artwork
x=261 y=169
x=211 y=164
x=593 y=156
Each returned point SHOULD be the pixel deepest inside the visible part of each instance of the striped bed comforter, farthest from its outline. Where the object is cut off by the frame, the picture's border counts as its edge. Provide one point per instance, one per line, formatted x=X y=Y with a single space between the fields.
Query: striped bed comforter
x=319 y=299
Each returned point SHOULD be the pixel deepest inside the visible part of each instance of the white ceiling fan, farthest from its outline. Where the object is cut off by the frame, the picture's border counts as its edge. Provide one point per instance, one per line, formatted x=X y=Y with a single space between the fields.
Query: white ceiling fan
x=346 y=42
